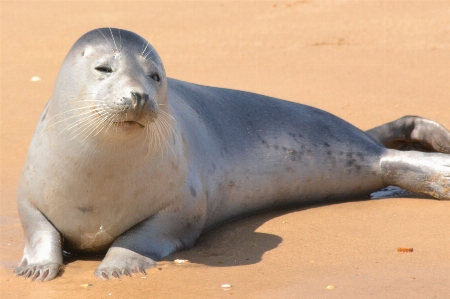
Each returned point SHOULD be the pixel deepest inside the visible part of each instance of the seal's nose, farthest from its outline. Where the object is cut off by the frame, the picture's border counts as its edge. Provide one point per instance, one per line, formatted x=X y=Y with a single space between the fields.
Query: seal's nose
x=142 y=101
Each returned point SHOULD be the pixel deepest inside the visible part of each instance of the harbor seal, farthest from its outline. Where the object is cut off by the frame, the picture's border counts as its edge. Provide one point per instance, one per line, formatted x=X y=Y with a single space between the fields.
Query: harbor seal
x=128 y=161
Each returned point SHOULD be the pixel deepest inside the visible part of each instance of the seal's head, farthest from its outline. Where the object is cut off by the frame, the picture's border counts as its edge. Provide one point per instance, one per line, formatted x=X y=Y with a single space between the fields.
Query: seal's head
x=112 y=83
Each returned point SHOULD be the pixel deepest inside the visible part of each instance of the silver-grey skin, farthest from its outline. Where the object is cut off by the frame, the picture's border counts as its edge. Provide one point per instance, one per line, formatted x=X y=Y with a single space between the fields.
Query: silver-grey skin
x=125 y=160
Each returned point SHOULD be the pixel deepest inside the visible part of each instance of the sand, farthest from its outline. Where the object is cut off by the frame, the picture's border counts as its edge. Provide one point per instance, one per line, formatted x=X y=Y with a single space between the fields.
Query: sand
x=368 y=62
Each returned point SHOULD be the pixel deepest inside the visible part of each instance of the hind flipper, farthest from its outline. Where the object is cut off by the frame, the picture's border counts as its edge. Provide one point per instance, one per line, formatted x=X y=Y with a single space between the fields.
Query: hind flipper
x=413 y=133
x=427 y=173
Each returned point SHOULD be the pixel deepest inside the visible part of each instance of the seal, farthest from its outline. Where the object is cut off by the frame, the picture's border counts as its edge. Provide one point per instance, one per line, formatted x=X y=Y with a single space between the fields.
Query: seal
x=127 y=161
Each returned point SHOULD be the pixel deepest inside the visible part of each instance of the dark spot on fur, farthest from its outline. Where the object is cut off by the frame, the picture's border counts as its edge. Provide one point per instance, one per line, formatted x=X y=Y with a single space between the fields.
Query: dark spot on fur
x=231 y=184
x=289 y=169
x=85 y=209
x=326 y=144
x=292 y=153
x=263 y=141
x=350 y=162
x=276 y=147
x=297 y=137
x=193 y=192
x=361 y=156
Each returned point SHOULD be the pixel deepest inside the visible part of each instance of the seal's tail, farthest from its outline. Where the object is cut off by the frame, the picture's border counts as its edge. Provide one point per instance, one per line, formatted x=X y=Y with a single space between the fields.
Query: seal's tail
x=427 y=173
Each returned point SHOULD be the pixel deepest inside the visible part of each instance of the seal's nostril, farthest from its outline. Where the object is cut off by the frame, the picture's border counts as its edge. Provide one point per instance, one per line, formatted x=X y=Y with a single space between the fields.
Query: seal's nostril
x=136 y=96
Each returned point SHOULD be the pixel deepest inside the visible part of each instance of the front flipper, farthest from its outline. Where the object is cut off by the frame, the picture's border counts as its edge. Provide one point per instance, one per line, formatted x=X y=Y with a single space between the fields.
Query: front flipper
x=42 y=256
x=154 y=238
x=413 y=133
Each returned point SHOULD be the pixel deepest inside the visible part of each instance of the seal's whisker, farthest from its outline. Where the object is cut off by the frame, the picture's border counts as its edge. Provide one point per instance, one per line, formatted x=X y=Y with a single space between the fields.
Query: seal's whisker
x=111 y=121
x=151 y=134
x=97 y=123
x=121 y=45
x=86 y=115
x=165 y=126
x=91 y=128
x=78 y=123
x=106 y=40
x=70 y=110
x=150 y=52
x=114 y=40
x=168 y=124
x=147 y=132
x=93 y=111
x=87 y=120
x=102 y=124
x=157 y=136
x=167 y=131
x=81 y=129
x=81 y=122
x=143 y=51
x=166 y=114
x=161 y=135
x=61 y=115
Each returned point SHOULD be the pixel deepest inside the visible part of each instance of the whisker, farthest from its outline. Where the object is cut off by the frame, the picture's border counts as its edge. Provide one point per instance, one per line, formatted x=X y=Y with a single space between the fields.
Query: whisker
x=163 y=140
x=85 y=126
x=83 y=120
x=111 y=123
x=78 y=123
x=96 y=122
x=112 y=35
x=103 y=123
x=106 y=40
x=166 y=114
x=143 y=51
x=73 y=116
x=121 y=45
x=148 y=54
x=167 y=132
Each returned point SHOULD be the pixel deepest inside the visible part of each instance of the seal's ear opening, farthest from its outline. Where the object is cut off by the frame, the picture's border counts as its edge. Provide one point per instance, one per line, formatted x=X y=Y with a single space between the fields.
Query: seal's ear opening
x=86 y=51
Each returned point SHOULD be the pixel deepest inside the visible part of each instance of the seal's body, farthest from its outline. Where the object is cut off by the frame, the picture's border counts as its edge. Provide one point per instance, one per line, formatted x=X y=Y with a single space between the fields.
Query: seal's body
x=126 y=160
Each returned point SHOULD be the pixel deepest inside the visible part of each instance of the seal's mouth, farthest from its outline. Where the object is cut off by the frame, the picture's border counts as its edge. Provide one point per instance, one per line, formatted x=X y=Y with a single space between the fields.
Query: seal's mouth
x=132 y=123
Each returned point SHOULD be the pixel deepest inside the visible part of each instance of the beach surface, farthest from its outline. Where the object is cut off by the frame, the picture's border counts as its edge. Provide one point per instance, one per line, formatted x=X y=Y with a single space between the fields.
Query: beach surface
x=368 y=62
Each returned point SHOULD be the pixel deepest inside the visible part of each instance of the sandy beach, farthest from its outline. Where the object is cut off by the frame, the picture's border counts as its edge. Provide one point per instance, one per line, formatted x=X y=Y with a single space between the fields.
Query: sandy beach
x=368 y=62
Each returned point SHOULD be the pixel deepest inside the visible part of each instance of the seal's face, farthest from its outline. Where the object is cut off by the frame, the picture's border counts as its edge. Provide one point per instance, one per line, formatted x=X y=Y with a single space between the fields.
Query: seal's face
x=111 y=82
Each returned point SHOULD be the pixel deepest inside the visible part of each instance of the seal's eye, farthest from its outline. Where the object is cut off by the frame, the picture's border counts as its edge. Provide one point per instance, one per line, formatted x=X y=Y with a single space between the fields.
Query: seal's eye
x=155 y=77
x=104 y=69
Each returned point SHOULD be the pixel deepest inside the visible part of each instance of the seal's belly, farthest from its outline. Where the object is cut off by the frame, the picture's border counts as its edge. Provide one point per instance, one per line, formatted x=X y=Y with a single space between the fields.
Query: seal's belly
x=91 y=213
x=90 y=227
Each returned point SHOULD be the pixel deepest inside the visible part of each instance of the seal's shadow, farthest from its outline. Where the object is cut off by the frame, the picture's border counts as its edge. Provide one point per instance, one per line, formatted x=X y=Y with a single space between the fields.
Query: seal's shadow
x=234 y=243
